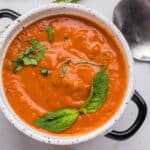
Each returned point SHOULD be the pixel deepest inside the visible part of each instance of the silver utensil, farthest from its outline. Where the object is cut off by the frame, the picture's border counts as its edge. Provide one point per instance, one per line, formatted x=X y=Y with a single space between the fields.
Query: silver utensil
x=132 y=17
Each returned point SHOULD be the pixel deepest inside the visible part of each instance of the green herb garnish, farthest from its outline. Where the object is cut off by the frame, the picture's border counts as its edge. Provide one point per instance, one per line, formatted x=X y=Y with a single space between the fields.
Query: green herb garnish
x=50 y=31
x=62 y=119
x=44 y=71
x=63 y=71
x=97 y=94
x=89 y=62
x=40 y=56
x=64 y=68
x=25 y=58
x=28 y=57
x=36 y=44
x=67 y=1
x=29 y=61
x=17 y=63
x=17 y=67
x=58 y=121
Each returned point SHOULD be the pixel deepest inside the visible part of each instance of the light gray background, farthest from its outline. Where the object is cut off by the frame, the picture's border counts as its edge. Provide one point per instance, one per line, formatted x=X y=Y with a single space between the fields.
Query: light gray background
x=12 y=139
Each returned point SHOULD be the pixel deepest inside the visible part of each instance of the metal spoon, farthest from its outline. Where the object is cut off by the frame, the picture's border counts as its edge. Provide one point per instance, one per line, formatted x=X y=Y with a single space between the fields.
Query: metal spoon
x=132 y=17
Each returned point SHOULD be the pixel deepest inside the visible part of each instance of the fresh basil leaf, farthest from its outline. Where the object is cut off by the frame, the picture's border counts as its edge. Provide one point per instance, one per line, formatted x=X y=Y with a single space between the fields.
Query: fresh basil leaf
x=40 y=56
x=98 y=93
x=89 y=62
x=36 y=44
x=67 y=1
x=58 y=121
x=63 y=71
x=44 y=71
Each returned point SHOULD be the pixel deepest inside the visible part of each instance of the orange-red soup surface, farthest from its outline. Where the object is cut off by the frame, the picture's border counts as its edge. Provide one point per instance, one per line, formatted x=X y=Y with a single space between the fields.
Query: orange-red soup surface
x=31 y=95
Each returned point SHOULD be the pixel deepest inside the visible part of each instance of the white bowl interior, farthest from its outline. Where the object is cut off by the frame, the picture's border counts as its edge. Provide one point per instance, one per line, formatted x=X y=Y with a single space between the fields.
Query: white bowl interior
x=57 y=9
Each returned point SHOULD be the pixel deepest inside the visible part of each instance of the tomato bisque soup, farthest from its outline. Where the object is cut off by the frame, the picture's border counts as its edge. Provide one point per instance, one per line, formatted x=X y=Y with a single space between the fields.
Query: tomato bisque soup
x=51 y=64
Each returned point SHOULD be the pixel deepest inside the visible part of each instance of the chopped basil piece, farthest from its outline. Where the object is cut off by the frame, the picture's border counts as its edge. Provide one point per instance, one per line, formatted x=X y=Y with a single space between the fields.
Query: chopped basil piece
x=36 y=44
x=44 y=71
x=28 y=57
x=29 y=51
x=64 y=68
x=89 y=62
x=18 y=62
x=39 y=56
x=24 y=58
x=17 y=68
x=29 y=61
x=63 y=71
x=50 y=33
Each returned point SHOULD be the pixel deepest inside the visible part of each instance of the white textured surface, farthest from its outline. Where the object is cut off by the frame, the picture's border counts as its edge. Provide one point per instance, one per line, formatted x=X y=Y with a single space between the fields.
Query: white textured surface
x=12 y=139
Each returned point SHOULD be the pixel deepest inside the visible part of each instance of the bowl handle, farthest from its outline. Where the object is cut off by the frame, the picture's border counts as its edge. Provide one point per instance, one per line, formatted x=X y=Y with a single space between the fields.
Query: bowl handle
x=142 y=112
x=9 y=14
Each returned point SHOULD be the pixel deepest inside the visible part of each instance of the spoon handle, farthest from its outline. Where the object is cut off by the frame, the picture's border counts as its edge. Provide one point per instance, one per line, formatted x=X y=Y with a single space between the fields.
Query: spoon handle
x=141 y=52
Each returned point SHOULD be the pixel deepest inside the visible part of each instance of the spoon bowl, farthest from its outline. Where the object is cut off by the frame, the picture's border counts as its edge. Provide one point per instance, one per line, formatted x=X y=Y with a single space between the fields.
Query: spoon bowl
x=133 y=19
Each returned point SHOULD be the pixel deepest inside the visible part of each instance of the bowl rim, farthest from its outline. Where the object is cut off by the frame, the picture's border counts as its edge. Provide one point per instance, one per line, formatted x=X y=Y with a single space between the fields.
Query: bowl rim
x=61 y=140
